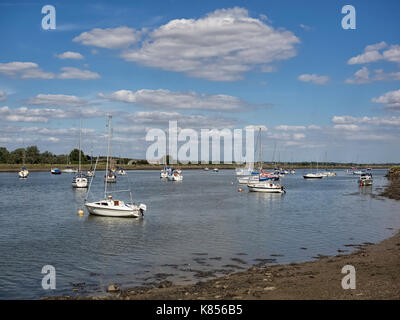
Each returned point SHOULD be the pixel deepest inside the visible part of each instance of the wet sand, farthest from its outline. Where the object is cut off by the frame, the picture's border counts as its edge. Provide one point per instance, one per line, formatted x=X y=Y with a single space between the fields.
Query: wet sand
x=377 y=277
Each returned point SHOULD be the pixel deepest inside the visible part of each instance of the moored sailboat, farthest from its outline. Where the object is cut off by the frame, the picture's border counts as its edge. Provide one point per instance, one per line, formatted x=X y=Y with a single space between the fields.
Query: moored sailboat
x=110 y=207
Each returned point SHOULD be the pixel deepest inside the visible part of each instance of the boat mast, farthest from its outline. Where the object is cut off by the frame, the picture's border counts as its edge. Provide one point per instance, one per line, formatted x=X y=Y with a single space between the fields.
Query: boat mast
x=259 y=149
x=108 y=153
x=80 y=137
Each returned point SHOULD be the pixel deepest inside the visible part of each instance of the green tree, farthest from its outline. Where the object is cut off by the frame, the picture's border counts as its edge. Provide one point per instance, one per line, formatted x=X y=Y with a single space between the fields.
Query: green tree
x=4 y=155
x=74 y=156
x=32 y=154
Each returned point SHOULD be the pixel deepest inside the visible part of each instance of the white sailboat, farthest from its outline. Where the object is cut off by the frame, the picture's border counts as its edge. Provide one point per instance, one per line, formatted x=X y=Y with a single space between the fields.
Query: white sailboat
x=263 y=185
x=80 y=180
x=23 y=173
x=316 y=175
x=109 y=207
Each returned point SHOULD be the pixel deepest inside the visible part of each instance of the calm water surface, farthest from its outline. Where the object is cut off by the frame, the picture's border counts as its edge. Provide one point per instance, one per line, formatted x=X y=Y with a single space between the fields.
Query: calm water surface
x=192 y=228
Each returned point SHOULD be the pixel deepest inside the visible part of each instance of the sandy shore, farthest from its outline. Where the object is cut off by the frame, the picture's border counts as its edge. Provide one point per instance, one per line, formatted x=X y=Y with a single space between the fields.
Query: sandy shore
x=377 y=277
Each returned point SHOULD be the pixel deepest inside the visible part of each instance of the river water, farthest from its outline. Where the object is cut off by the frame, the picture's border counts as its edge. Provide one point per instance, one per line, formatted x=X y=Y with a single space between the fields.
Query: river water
x=192 y=230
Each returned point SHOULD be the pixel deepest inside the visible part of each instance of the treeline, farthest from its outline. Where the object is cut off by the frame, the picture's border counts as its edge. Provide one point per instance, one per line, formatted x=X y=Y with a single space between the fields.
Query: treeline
x=32 y=155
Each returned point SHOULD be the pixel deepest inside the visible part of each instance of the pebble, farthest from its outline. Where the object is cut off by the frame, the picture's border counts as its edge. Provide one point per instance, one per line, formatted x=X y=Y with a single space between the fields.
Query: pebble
x=113 y=288
x=269 y=288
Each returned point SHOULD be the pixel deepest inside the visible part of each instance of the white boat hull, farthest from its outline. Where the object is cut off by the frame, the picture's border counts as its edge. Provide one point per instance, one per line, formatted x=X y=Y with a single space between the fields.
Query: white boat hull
x=175 y=177
x=23 y=174
x=111 y=210
x=313 y=176
x=80 y=183
x=265 y=187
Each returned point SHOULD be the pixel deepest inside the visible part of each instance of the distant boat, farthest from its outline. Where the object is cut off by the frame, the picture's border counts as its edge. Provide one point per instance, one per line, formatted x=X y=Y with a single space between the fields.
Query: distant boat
x=316 y=175
x=292 y=171
x=121 y=172
x=69 y=170
x=110 y=177
x=267 y=187
x=55 y=171
x=165 y=172
x=313 y=176
x=206 y=169
x=215 y=170
x=110 y=207
x=365 y=179
x=80 y=180
x=90 y=172
x=23 y=173
x=175 y=176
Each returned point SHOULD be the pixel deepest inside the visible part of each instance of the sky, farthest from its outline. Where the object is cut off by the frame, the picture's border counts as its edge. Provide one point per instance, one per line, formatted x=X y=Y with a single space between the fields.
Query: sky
x=320 y=91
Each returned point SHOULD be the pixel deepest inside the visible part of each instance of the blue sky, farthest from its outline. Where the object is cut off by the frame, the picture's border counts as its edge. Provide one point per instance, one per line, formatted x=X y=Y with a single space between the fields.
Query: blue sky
x=287 y=65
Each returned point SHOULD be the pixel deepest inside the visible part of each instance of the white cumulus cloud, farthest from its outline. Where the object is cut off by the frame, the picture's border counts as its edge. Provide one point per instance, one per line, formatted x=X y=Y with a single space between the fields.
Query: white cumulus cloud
x=110 y=38
x=220 y=46
x=70 y=55
x=313 y=78
x=166 y=99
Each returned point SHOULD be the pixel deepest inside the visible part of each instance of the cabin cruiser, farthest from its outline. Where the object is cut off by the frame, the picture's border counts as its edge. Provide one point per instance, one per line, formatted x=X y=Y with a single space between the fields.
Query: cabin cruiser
x=365 y=179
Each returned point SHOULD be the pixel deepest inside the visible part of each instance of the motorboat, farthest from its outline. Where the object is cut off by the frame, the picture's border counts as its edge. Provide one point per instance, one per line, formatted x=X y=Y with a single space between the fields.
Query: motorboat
x=365 y=179
x=292 y=171
x=215 y=169
x=69 y=170
x=23 y=173
x=206 y=169
x=266 y=187
x=109 y=207
x=55 y=171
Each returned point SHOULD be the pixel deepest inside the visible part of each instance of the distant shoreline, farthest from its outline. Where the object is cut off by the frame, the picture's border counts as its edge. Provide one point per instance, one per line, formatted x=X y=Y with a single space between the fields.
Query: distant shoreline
x=85 y=167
